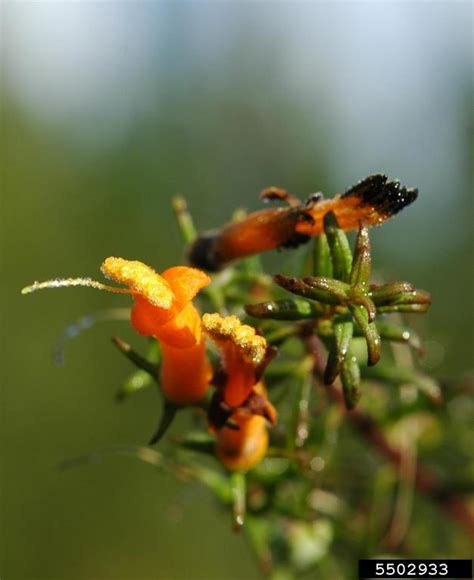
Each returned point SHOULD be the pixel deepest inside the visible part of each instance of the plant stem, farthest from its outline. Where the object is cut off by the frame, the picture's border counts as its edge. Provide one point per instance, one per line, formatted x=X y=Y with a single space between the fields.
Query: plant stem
x=238 y=487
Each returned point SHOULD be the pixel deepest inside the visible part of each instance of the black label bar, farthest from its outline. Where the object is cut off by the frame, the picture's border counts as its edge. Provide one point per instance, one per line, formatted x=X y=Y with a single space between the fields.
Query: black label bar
x=415 y=569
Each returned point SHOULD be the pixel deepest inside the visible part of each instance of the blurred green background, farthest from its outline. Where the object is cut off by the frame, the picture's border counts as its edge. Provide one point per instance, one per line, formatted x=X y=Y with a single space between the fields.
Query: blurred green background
x=109 y=109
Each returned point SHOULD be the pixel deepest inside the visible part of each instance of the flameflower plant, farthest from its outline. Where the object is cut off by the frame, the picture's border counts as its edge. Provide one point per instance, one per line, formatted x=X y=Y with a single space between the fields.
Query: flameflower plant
x=271 y=367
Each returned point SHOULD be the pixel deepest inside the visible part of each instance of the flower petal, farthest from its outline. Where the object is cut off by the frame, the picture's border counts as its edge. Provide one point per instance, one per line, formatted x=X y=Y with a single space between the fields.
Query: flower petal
x=229 y=329
x=141 y=279
x=183 y=330
x=185 y=282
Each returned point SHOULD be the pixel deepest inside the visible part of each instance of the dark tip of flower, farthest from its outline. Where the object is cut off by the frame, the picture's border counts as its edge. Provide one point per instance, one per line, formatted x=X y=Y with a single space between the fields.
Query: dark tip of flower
x=296 y=240
x=202 y=254
x=387 y=197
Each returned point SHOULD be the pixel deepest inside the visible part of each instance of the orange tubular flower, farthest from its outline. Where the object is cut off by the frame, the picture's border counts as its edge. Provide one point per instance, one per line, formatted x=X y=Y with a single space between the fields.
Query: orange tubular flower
x=371 y=201
x=245 y=354
x=162 y=309
x=240 y=407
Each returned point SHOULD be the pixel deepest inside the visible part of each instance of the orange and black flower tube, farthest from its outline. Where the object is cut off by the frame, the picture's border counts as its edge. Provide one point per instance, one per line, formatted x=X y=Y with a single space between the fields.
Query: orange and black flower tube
x=371 y=201
x=239 y=410
x=162 y=309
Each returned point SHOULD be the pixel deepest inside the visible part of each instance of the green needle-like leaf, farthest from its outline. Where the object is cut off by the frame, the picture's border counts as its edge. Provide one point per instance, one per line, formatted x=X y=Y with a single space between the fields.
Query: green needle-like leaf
x=416 y=297
x=322 y=264
x=214 y=480
x=359 y=296
x=350 y=378
x=184 y=219
x=328 y=289
x=415 y=308
x=136 y=358
x=140 y=379
x=369 y=330
x=387 y=292
x=326 y=293
x=362 y=262
x=197 y=441
x=338 y=351
x=339 y=246
x=167 y=418
x=135 y=382
x=291 y=309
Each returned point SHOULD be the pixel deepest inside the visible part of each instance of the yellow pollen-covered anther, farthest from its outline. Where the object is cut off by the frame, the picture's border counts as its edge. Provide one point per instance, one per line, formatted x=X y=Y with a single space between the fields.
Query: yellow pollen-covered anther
x=229 y=328
x=140 y=278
